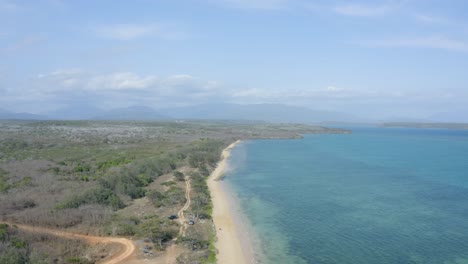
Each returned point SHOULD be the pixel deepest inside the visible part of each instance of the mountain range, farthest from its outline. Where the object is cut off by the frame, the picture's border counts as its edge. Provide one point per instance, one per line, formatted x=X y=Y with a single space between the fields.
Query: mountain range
x=7 y=115
x=250 y=112
x=277 y=113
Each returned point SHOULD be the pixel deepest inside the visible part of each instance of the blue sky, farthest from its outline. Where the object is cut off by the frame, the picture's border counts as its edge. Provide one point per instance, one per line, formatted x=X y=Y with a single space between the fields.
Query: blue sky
x=376 y=59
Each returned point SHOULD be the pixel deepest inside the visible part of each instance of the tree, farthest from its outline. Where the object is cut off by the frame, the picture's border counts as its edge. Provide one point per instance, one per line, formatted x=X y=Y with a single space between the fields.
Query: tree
x=156 y=198
x=154 y=231
x=179 y=176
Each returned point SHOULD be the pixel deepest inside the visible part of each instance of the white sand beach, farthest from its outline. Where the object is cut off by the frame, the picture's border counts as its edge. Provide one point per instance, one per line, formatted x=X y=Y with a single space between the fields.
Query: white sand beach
x=230 y=242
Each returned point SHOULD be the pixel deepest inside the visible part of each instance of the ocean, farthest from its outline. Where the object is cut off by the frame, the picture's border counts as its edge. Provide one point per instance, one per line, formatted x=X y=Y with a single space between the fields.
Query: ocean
x=378 y=195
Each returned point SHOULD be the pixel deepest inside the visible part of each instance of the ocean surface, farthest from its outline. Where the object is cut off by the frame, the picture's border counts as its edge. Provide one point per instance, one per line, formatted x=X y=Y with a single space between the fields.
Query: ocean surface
x=379 y=195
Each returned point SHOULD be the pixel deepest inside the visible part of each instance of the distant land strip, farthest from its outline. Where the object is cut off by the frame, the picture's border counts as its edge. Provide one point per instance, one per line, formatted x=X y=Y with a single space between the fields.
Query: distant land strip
x=427 y=125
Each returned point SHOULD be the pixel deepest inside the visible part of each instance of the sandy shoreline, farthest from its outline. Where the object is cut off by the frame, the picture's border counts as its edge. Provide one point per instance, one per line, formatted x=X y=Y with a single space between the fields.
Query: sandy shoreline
x=230 y=245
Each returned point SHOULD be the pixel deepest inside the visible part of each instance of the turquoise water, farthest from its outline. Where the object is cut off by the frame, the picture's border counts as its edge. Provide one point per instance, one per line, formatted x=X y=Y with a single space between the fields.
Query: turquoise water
x=374 y=196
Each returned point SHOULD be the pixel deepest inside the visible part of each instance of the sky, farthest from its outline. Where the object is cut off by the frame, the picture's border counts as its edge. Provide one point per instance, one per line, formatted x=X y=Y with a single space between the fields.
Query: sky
x=374 y=59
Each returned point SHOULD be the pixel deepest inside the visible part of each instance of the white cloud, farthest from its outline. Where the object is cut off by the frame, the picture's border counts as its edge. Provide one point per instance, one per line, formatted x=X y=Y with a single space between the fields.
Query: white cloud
x=61 y=73
x=179 y=79
x=59 y=80
x=135 y=31
x=121 y=81
x=255 y=4
x=430 y=19
x=293 y=96
x=8 y=5
x=334 y=89
x=21 y=44
x=120 y=89
x=69 y=82
x=432 y=42
x=361 y=10
x=128 y=31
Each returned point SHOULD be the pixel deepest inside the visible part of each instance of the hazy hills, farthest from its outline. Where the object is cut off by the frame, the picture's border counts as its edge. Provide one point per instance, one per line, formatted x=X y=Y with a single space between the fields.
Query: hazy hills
x=130 y=113
x=263 y=112
x=252 y=112
x=277 y=113
x=5 y=115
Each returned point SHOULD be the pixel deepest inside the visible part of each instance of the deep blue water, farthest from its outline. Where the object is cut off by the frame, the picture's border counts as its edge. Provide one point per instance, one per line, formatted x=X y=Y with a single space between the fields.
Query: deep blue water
x=379 y=195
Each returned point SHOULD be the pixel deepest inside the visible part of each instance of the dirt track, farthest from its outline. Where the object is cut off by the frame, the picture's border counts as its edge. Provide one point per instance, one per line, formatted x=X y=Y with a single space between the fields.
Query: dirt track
x=171 y=252
x=180 y=214
x=128 y=247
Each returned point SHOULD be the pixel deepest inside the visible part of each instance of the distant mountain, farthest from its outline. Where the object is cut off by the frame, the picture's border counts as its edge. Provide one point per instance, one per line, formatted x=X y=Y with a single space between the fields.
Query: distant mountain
x=403 y=120
x=90 y=112
x=277 y=113
x=7 y=115
x=76 y=112
x=428 y=125
x=263 y=112
x=131 y=113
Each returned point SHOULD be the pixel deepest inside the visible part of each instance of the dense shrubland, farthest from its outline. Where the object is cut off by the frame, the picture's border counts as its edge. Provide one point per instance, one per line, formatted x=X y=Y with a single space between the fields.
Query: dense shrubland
x=21 y=247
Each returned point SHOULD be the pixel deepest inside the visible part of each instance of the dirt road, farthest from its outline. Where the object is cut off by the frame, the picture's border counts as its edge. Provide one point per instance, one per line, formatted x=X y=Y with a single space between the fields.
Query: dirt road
x=127 y=246
x=180 y=214
x=126 y=251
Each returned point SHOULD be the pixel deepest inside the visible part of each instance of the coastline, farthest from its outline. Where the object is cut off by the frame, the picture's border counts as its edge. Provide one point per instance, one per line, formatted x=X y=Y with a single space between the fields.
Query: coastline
x=230 y=244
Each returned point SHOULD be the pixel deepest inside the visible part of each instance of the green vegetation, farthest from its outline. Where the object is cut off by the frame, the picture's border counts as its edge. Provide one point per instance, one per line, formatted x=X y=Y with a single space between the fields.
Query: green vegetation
x=201 y=201
x=99 y=195
x=159 y=231
x=157 y=198
x=169 y=183
x=105 y=165
x=179 y=176
x=205 y=152
x=211 y=254
x=173 y=196
x=18 y=248
x=6 y=183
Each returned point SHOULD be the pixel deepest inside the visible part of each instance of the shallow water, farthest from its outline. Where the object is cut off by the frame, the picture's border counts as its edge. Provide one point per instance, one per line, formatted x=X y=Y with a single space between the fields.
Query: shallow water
x=375 y=196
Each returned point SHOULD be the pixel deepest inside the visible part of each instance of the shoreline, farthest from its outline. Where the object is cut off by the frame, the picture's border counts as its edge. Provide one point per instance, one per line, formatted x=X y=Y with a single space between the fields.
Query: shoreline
x=230 y=244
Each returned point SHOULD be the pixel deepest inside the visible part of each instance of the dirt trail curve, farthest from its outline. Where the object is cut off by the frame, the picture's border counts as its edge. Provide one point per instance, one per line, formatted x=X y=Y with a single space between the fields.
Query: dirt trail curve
x=128 y=247
x=180 y=214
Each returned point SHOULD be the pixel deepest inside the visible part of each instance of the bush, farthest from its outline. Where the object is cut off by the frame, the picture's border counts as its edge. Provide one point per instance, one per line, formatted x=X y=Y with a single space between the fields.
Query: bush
x=4 y=235
x=194 y=243
x=10 y=255
x=169 y=183
x=6 y=183
x=125 y=182
x=98 y=195
x=179 y=176
x=23 y=203
x=175 y=195
x=201 y=203
x=159 y=231
x=78 y=260
x=205 y=152
x=82 y=169
x=104 y=166
x=156 y=198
